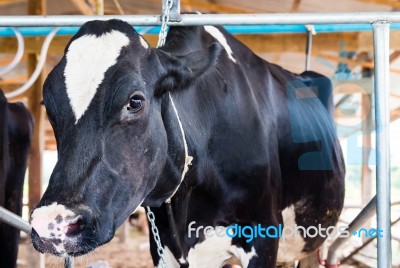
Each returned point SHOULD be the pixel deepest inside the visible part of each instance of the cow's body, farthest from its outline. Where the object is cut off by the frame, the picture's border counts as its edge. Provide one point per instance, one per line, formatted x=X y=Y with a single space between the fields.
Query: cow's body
x=240 y=125
x=16 y=126
x=263 y=145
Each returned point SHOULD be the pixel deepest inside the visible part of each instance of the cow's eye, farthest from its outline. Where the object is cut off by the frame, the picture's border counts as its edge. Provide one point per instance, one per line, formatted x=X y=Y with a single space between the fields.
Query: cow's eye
x=135 y=103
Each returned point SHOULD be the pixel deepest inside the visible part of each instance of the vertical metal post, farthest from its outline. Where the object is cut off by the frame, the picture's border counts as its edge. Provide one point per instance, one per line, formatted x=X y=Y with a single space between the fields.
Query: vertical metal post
x=69 y=262
x=310 y=33
x=381 y=31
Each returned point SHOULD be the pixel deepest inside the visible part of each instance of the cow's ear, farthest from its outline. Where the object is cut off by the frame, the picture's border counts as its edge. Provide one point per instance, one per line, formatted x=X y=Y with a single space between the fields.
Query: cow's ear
x=182 y=70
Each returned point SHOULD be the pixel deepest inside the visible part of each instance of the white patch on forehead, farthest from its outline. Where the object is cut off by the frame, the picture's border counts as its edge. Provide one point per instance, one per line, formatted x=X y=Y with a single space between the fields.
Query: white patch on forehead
x=50 y=221
x=143 y=42
x=88 y=58
x=221 y=39
x=218 y=251
x=290 y=249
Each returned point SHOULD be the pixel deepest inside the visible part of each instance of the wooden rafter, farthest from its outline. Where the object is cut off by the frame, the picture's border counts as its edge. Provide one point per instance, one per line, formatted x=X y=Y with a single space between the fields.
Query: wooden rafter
x=352 y=63
x=210 y=7
x=395 y=114
x=391 y=3
x=394 y=56
x=85 y=7
x=295 y=5
x=7 y=2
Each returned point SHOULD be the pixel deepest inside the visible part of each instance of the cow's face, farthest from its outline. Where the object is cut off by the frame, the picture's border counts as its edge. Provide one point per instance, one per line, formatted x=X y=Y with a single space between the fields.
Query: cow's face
x=107 y=101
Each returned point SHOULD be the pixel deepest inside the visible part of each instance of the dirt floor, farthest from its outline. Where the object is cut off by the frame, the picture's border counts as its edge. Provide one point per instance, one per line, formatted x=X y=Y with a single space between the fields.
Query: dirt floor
x=134 y=253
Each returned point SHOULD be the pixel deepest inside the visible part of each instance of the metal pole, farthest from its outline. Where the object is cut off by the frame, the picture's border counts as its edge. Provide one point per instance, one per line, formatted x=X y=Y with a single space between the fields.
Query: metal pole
x=366 y=243
x=209 y=19
x=365 y=214
x=14 y=220
x=310 y=33
x=381 y=31
x=69 y=262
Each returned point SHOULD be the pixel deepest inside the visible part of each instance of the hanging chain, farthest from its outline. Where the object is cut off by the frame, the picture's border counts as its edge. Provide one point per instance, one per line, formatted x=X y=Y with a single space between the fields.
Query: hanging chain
x=164 y=22
x=156 y=236
x=150 y=215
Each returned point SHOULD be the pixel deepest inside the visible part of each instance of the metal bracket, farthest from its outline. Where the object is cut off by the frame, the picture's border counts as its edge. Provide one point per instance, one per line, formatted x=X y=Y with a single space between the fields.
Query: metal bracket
x=175 y=12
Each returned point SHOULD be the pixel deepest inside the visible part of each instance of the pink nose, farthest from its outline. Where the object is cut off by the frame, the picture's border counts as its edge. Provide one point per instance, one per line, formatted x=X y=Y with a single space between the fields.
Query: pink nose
x=74 y=227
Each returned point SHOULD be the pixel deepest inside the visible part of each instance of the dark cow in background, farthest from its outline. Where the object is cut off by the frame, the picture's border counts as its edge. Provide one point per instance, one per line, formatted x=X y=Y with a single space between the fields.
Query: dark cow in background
x=16 y=126
x=203 y=121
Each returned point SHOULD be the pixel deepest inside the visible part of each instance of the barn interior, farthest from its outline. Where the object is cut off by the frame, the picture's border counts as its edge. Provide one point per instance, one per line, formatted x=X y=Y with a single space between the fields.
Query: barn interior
x=343 y=54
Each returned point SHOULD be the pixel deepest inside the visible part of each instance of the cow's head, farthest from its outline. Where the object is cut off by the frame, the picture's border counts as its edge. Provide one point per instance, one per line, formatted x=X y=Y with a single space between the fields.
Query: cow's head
x=118 y=139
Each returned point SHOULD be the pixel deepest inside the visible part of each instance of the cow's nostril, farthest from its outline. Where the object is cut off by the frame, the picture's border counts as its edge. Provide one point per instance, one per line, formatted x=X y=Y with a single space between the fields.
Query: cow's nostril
x=74 y=227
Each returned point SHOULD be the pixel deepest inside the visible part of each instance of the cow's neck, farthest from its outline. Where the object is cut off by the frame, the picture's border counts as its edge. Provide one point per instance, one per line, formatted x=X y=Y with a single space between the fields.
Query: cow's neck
x=188 y=158
x=187 y=161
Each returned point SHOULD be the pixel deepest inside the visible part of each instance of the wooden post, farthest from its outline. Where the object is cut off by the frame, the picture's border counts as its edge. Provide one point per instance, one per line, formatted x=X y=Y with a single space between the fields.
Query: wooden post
x=295 y=6
x=36 y=7
x=124 y=232
x=99 y=7
x=35 y=160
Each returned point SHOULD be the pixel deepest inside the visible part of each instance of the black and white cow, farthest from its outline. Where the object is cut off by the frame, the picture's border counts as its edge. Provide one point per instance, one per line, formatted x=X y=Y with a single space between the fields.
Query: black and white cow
x=232 y=138
x=16 y=126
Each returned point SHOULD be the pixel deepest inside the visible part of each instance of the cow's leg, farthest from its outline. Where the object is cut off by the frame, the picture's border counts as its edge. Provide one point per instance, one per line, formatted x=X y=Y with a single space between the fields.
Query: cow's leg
x=19 y=138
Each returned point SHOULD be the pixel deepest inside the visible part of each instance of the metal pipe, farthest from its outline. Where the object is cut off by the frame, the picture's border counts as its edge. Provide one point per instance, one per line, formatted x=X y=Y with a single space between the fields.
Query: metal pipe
x=233 y=29
x=38 y=69
x=365 y=214
x=381 y=31
x=366 y=243
x=69 y=262
x=310 y=32
x=14 y=220
x=207 y=19
x=18 y=56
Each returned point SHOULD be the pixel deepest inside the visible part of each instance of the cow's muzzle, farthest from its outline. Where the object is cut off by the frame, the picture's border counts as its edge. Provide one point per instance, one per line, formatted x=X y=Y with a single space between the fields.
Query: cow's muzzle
x=58 y=230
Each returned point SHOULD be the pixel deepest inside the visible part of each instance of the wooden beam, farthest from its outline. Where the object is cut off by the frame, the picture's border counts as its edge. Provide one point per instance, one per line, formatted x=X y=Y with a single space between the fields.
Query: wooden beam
x=35 y=7
x=391 y=3
x=394 y=56
x=395 y=114
x=119 y=7
x=295 y=5
x=84 y=7
x=99 y=7
x=211 y=7
x=6 y=2
x=352 y=63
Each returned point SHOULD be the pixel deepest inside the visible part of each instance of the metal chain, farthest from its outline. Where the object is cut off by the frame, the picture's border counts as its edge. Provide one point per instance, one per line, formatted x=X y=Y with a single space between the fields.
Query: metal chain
x=156 y=236
x=150 y=215
x=164 y=22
